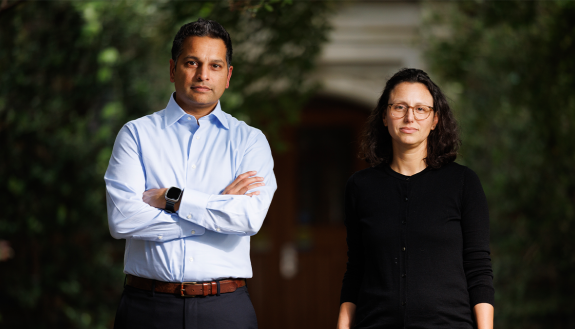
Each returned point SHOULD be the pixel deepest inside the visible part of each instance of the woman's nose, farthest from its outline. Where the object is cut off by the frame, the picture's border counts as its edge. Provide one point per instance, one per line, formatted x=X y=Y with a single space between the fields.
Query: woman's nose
x=409 y=115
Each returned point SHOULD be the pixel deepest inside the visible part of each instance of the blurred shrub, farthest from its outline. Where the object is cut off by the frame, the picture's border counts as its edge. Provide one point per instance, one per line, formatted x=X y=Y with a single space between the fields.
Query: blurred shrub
x=71 y=74
x=510 y=68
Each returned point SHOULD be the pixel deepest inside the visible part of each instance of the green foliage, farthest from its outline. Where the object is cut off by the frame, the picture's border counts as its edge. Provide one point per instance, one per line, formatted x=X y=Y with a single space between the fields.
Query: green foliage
x=273 y=52
x=510 y=65
x=71 y=74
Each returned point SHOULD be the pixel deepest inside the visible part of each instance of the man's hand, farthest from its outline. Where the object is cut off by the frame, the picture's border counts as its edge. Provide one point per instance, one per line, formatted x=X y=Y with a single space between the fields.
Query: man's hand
x=156 y=197
x=244 y=183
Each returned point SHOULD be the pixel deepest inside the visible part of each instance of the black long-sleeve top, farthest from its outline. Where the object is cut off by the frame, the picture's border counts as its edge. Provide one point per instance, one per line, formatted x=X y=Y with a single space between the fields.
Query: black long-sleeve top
x=418 y=248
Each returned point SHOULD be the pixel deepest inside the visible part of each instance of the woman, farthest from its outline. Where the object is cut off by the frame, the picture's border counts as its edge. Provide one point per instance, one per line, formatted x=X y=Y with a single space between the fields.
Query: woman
x=417 y=222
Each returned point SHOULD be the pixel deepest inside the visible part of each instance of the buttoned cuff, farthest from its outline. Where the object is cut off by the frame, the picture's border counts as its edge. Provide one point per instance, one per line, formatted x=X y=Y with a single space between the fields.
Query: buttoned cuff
x=190 y=229
x=194 y=206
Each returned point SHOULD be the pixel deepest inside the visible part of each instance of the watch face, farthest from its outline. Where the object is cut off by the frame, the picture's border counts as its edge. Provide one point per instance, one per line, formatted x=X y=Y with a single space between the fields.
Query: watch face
x=174 y=193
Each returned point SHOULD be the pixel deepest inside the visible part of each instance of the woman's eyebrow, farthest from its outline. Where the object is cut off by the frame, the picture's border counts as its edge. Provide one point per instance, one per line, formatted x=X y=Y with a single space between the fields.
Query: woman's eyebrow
x=405 y=102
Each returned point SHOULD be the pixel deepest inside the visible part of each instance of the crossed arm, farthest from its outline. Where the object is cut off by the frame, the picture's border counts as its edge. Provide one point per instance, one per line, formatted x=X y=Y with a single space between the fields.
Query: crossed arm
x=240 y=186
x=136 y=212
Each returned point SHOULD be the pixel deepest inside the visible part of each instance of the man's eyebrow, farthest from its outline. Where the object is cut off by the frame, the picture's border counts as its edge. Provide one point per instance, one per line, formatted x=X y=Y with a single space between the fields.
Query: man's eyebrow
x=219 y=61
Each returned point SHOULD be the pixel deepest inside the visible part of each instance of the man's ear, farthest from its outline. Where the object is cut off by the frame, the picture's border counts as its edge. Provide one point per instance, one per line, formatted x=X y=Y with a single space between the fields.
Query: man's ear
x=172 y=70
x=229 y=76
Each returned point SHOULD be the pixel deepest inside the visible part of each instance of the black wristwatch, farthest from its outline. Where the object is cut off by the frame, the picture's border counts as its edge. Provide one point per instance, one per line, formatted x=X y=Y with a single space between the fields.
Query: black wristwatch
x=172 y=196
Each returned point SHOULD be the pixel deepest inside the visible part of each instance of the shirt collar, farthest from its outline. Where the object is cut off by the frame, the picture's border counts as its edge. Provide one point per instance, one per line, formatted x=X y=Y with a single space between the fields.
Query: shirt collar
x=221 y=116
x=174 y=112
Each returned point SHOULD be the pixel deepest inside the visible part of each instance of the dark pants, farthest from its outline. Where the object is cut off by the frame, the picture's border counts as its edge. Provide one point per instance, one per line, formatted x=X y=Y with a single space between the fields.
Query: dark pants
x=140 y=309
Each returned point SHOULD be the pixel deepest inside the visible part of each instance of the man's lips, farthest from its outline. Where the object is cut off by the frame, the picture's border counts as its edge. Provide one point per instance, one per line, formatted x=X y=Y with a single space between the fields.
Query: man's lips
x=200 y=88
x=408 y=130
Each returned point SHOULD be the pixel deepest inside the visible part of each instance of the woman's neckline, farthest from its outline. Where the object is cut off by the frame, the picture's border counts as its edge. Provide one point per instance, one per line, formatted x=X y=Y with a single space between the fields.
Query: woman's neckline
x=397 y=175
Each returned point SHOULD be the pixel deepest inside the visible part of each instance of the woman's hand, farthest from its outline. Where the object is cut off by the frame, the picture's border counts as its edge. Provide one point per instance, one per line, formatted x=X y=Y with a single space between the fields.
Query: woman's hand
x=346 y=316
x=484 y=315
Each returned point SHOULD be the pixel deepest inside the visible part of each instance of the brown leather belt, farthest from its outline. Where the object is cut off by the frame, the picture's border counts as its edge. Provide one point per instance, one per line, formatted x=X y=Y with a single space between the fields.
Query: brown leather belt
x=186 y=289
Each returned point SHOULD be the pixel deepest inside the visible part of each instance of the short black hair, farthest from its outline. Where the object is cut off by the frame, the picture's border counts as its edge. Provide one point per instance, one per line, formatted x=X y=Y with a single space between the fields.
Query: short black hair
x=442 y=143
x=202 y=28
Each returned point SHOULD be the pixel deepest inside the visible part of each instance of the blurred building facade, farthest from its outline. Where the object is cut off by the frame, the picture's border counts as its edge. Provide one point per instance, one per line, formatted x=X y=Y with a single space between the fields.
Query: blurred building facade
x=299 y=256
x=369 y=43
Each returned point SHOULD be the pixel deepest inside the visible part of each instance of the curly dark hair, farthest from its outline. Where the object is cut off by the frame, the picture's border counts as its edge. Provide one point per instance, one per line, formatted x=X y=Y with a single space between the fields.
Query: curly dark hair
x=442 y=143
x=202 y=28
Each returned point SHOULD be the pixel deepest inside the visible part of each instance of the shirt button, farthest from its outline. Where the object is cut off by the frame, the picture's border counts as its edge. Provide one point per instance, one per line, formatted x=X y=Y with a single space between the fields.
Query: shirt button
x=403 y=303
x=406 y=199
x=218 y=229
x=403 y=222
x=189 y=118
x=193 y=232
x=191 y=259
x=189 y=216
x=198 y=137
x=403 y=249
x=403 y=275
x=160 y=237
x=194 y=166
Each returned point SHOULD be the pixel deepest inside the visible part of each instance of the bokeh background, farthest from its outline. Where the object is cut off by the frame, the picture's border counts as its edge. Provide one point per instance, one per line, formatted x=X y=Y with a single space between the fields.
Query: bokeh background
x=307 y=73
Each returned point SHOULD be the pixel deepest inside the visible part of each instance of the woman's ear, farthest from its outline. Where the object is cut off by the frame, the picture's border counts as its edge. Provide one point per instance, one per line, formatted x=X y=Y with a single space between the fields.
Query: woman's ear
x=435 y=120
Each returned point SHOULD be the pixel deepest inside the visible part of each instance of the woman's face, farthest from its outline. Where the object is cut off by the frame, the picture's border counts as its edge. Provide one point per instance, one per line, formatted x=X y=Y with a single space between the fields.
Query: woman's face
x=409 y=131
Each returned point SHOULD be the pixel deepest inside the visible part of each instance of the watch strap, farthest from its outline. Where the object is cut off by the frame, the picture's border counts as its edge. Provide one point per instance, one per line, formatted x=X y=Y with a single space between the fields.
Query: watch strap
x=170 y=206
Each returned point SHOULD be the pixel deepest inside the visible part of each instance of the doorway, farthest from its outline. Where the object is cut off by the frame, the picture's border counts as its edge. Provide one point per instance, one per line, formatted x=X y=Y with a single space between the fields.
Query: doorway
x=299 y=256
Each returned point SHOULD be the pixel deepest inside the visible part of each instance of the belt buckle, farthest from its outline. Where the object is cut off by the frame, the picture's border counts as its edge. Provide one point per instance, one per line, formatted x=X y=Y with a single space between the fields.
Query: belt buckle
x=183 y=290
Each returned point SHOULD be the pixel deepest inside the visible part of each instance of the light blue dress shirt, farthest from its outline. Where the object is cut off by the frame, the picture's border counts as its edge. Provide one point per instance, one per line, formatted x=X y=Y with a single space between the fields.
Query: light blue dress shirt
x=209 y=237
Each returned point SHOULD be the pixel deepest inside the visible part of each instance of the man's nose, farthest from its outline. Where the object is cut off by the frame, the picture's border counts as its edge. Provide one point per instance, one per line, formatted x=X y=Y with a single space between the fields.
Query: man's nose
x=202 y=73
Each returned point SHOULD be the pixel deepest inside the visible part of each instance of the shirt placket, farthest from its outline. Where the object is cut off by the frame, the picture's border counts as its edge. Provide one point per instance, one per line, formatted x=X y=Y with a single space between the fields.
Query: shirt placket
x=192 y=169
x=404 y=248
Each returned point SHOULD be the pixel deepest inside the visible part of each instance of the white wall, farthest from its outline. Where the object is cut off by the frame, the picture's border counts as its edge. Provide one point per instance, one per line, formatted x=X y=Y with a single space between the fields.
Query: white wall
x=370 y=41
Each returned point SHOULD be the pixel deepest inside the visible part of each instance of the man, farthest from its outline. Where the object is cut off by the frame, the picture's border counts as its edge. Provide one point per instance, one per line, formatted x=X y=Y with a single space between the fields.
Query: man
x=176 y=191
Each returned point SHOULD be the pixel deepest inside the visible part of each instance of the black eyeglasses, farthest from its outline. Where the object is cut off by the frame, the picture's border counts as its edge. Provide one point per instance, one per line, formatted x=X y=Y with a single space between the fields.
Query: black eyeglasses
x=420 y=112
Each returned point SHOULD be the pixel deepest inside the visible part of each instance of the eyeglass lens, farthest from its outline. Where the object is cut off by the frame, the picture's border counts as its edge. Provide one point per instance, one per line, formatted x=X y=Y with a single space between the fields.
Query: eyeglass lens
x=421 y=112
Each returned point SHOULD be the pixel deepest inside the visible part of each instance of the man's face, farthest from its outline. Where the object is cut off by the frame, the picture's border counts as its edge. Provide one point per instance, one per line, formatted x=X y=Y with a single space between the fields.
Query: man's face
x=201 y=74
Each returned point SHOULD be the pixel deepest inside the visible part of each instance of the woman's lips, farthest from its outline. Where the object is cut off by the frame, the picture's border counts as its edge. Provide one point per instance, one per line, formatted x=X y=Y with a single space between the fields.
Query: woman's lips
x=408 y=130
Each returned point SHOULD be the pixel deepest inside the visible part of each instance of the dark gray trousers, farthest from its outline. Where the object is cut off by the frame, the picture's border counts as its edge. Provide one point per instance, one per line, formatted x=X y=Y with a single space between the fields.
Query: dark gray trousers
x=140 y=309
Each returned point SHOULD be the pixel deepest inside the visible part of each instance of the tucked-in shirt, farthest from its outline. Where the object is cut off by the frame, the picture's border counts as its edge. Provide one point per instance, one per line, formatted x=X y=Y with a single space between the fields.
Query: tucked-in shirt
x=209 y=237
x=418 y=252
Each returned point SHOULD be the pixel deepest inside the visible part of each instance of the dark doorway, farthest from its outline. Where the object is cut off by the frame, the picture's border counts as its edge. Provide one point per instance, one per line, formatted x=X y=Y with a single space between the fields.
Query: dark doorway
x=299 y=256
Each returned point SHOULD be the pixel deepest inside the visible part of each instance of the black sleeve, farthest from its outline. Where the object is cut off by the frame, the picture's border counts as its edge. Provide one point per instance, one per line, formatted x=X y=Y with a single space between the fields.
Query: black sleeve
x=355 y=258
x=475 y=228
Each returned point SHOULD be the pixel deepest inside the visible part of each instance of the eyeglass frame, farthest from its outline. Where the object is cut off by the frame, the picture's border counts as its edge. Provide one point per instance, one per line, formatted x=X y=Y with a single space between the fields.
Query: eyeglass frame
x=413 y=109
